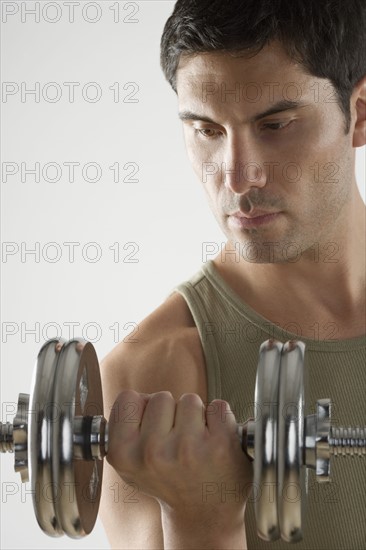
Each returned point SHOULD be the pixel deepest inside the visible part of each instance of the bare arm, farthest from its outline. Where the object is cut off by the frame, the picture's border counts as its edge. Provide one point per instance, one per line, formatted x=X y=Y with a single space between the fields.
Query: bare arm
x=168 y=356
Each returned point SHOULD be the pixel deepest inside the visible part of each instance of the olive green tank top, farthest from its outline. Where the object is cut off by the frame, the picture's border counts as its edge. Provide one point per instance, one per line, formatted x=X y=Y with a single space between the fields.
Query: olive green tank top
x=231 y=333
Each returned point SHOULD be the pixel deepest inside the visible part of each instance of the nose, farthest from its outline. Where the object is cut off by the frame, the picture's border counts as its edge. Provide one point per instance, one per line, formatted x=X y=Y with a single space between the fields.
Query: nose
x=242 y=167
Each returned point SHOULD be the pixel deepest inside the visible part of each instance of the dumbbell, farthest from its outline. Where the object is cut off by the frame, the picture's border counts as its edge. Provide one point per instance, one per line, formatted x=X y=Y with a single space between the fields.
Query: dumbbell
x=59 y=437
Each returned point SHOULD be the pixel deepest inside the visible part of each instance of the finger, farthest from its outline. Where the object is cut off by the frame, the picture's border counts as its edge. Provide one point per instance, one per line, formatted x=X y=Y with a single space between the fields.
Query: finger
x=127 y=413
x=190 y=414
x=159 y=414
x=220 y=417
x=124 y=431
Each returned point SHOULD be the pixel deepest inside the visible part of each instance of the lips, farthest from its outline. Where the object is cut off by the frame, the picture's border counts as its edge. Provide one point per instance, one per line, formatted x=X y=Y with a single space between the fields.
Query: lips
x=258 y=218
x=255 y=214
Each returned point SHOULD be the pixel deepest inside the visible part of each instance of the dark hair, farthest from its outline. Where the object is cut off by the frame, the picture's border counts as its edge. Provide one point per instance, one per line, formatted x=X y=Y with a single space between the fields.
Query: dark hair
x=327 y=37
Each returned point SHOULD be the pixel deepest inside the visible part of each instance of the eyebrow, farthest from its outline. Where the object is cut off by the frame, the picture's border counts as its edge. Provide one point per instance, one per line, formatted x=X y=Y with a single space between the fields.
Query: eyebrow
x=279 y=107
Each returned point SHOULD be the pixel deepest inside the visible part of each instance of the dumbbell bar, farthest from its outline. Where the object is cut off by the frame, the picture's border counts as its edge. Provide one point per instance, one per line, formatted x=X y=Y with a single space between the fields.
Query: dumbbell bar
x=59 y=437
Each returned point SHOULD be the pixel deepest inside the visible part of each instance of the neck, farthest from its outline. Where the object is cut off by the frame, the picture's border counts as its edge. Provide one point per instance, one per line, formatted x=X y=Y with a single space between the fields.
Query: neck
x=327 y=280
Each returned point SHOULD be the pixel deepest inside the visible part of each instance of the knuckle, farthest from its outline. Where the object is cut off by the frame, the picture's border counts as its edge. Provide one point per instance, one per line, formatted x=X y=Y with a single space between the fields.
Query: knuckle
x=166 y=395
x=192 y=402
x=128 y=394
x=161 y=397
x=220 y=404
x=125 y=397
x=220 y=409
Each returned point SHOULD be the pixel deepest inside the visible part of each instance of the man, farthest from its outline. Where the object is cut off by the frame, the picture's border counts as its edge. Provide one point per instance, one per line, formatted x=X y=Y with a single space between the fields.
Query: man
x=272 y=95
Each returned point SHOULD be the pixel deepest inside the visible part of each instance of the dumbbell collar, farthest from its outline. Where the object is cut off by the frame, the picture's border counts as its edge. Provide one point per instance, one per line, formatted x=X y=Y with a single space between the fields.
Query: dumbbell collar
x=90 y=434
x=316 y=440
x=14 y=437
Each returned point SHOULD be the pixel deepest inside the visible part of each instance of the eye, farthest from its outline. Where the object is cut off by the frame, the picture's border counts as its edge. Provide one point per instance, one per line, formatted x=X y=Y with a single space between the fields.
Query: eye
x=278 y=126
x=207 y=133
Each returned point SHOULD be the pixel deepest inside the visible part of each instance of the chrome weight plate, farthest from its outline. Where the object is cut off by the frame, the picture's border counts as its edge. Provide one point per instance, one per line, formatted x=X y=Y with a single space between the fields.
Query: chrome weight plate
x=41 y=416
x=77 y=476
x=291 y=474
x=265 y=440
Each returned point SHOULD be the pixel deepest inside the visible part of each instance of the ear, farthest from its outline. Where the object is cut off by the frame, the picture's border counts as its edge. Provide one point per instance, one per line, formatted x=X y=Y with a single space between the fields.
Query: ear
x=358 y=107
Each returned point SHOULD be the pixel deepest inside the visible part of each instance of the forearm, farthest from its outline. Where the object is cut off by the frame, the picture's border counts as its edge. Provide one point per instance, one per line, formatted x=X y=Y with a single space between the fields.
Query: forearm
x=198 y=533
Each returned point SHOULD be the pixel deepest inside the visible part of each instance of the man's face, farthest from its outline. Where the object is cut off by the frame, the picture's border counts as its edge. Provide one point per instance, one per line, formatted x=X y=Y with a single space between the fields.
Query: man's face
x=297 y=163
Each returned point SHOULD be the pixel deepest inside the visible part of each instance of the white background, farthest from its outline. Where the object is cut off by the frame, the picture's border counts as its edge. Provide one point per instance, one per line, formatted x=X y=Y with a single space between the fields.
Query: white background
x=164 y=213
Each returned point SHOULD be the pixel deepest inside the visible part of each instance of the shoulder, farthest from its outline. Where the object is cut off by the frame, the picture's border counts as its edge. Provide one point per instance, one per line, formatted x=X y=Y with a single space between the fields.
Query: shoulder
x=166 y=355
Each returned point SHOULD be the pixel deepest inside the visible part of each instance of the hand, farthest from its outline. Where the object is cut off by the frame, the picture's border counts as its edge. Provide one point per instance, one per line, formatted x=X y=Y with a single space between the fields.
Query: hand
x=186 y=456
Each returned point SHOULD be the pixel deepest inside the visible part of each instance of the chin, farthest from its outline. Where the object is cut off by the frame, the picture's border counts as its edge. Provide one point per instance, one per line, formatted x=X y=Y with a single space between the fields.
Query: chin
x=251 y=247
